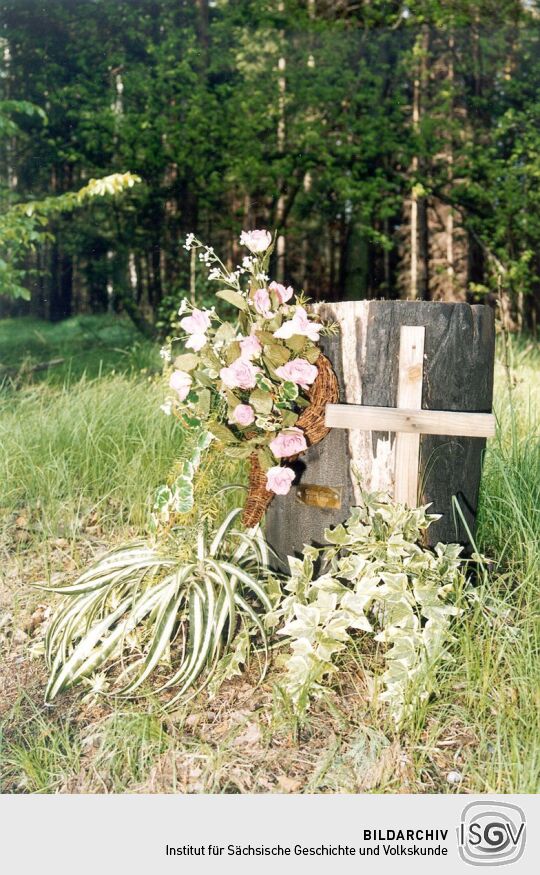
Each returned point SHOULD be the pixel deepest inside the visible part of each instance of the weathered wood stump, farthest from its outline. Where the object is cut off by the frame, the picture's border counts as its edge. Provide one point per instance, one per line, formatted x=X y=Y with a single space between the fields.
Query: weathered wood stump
x=457 y=376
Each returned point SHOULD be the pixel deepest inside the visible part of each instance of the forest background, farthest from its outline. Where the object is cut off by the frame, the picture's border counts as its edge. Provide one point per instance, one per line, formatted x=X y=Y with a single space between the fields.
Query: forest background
x=394 y=146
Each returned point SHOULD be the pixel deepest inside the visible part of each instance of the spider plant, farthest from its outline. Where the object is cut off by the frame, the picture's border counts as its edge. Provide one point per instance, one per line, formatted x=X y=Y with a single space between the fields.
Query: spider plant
x=140 y=611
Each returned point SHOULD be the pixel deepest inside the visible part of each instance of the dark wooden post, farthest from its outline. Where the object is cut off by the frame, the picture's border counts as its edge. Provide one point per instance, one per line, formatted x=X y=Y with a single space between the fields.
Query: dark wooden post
x=457 y=376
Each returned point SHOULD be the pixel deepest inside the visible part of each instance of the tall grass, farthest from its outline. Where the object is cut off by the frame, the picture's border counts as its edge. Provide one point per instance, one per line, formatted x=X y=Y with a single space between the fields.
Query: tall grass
x=85 y=437
x=87 y=346
x=97 y=446
x=490 y=694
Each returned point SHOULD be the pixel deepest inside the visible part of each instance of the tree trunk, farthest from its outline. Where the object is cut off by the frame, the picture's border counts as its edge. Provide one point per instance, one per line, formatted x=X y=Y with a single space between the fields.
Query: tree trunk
x=458 y=376
x=61 y=284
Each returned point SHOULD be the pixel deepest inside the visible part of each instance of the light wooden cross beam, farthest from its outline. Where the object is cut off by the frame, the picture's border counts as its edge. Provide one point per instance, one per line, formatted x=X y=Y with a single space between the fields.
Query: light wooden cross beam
x=408 y=419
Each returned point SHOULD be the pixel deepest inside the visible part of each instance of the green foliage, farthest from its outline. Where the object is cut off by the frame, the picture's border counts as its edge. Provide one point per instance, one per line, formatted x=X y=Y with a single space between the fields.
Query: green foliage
x=179 y=496
x=38 y=756
x=23 y=227
x=192 y=103
x=375 y=578
x=74 y=445
x=150 y=611
x=88 y=346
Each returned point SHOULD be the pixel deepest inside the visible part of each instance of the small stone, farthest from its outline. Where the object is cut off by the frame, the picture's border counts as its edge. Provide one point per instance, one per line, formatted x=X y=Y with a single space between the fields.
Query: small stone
x=454 y=777
x=6 y=620
x=250 y=736
x=288 y=785
x=19 y=637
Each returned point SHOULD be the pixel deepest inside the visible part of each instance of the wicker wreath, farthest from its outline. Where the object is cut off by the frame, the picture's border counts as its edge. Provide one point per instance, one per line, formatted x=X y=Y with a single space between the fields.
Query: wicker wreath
x=325 y=390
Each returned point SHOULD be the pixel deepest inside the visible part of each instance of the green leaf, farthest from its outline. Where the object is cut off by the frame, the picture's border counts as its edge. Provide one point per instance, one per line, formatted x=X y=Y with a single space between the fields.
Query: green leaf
x=222 y=433
x=289 y=417
x=186 y=362
x=232 y=399
x=205 y=380
x=312 y=354
x=225 y=333
x=276 y=354
x=289 y=391
x=210 y=359
x=296 y=343
x=261 y=401
x=265 y=337
x=264 y=383
x=232 y=352
x=202 y=406
x=232 y=297
x=242 y=451
x=266 y=459
x=126 y=592
x=163 y=496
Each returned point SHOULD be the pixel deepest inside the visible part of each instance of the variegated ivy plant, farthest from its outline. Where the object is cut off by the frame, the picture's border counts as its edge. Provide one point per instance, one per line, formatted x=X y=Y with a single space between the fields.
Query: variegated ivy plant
x=178 y=496
x=374 y=578
x=246 y=379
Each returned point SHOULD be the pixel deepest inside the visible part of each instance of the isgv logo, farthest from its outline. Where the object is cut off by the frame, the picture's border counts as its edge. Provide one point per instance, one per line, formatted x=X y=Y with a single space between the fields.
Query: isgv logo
x=491 y=833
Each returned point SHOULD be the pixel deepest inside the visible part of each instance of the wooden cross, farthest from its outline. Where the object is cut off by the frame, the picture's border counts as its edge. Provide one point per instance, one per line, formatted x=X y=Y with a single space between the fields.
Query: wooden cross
x=408 y=419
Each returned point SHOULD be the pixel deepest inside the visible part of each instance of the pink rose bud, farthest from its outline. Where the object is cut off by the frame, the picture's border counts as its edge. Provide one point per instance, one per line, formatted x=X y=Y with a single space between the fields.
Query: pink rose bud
x=289 y=442
x=256 y=241
x=243 y=414
x=181 y=383
x=250 y=346
x=279 y=479
x=283 y=294
x=197 y=323
x=298 y=371
x=263 y=304
x=241 y=374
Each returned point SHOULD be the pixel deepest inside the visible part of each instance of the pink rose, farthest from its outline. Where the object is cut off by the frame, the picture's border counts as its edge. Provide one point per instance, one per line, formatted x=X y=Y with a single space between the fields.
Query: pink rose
x=263 y=304
x=283 y=294
x=299 y=324
x=298 y=371
x=256 y=241
x=279 y=479
x=289 y=442
x=181 y=383
x=241 y=374
x=243 y=414
x=197 y=323
x=250 y=346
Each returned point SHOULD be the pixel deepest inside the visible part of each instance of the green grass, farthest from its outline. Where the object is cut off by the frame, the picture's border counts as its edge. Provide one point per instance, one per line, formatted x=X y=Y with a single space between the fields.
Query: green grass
x=89 y=346
x=41 y=754
x=93 y=444
x=86 y=440
x=491 y=692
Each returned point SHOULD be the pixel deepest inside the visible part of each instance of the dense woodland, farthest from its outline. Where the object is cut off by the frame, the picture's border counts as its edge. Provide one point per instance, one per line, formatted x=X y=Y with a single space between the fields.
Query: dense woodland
x=394 y=146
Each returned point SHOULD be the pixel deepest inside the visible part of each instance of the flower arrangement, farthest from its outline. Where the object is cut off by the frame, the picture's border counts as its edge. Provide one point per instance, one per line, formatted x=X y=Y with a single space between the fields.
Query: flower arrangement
x=250 y=379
